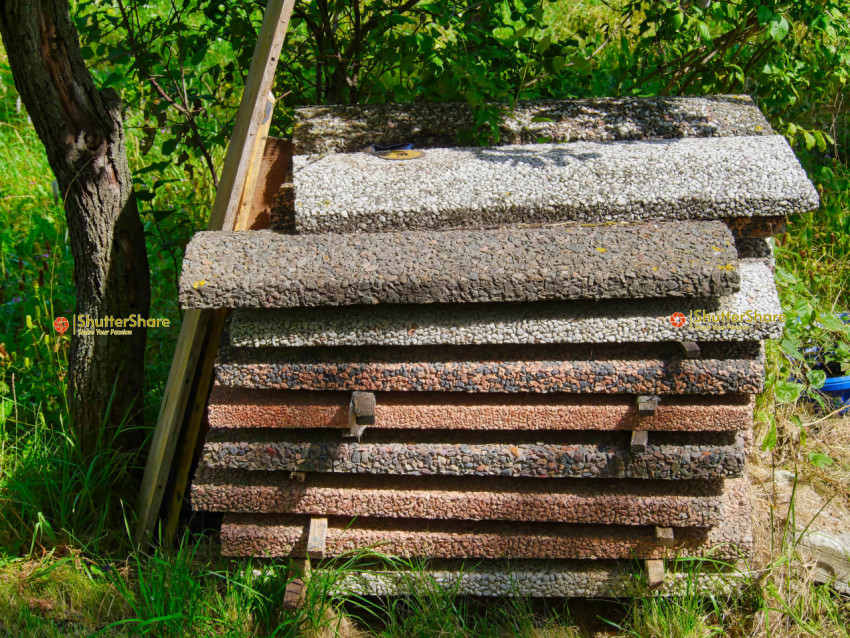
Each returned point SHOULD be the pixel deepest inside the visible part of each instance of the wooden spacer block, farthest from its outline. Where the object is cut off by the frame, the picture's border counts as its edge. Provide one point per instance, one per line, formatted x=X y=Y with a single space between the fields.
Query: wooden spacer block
x=316 y=538
x=654 y=573
x=664 y=536
x=647 y=404
x=640 y=439
x=690 y=349
x=361 y=412
x=293 y=597
x=298 y=476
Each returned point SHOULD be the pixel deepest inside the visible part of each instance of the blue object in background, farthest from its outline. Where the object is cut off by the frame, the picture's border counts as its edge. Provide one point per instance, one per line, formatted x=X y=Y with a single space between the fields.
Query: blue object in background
x=839 y=389
x=835 y=387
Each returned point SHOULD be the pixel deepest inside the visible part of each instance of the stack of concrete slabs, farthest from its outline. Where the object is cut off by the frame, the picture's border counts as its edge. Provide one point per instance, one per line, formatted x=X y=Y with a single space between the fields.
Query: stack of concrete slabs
x=557 y=344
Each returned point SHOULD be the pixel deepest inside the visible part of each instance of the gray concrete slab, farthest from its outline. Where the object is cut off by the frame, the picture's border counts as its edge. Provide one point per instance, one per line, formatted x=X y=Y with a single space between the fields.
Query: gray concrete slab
x=590 y=182
x=347 y=128
x=751 y=314
x=263 y=269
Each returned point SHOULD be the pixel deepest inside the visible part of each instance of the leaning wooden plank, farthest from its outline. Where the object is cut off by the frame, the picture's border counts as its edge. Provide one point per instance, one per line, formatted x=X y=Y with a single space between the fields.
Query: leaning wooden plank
x=187 y=450
x=274 y=173
x=252 y=111
x=243 y=211
x=193 y=332
x=171 y=413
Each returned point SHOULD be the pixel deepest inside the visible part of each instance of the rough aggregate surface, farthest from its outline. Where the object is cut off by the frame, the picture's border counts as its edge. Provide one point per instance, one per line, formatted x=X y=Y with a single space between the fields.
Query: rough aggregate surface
x=488 y=187
x=751 y=314
x=537 y=578
x=343 y=128
x=283 y=536
x=263 y=269
x=233 y=407
x=668 y=456
x=600 y=501
x=632 y=368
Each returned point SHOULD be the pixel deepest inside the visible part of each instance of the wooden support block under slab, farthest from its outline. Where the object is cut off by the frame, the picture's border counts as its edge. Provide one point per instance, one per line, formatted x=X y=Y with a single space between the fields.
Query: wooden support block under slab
x=647 y=404
x=296 y=578
x=664 y=536
x=640 y=439
x=361 y=412
x=690 y=349
x=654 y=573
x=317 y=538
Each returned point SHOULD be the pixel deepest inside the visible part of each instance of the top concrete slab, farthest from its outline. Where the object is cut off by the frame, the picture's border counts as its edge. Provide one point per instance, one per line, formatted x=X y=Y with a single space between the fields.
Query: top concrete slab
x=344 y=128
x=263 y=269
x=588 y=182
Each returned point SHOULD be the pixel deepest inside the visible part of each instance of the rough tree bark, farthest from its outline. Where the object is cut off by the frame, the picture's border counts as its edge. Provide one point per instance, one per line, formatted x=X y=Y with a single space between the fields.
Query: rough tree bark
x=83 y=133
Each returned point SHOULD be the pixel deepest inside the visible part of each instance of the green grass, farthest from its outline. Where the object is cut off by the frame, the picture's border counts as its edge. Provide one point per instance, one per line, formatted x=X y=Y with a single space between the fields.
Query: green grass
x=66 y=564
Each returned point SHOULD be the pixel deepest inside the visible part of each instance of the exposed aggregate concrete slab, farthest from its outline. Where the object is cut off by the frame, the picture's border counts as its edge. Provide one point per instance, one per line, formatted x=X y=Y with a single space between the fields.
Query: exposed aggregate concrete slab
x=751 y=314
x=585 y=455
x=255 y=408
x=538 y=578
x=600 y=501
x=343 y=128
x=279 y=536
x=284 y=536
x=632 y=369
x=479 y=187
x=263 y=269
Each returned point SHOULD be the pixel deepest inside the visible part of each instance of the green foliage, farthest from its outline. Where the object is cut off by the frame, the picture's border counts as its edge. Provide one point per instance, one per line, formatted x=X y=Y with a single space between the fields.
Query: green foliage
x=180 y=66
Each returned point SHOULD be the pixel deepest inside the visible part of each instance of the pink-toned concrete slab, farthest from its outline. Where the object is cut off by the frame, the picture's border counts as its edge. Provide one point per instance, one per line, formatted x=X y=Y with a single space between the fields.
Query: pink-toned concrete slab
x=277 y=536
x=254 y=408
x=610 y=502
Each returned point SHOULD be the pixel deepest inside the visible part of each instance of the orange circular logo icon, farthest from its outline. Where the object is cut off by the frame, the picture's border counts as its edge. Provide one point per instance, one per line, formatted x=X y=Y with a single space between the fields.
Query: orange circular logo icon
x=678 y=319
x=60 y=325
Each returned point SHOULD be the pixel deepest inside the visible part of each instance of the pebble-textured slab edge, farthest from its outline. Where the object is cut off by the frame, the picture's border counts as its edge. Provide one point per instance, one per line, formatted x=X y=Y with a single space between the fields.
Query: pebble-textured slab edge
x=282 y=536
x=264 y=269
x=602 y=502
x=632 y=369
x=343 y=128
x=552 y=578
x=489 y=187
x=256 y=408
x=752 y=314
x=699 y=456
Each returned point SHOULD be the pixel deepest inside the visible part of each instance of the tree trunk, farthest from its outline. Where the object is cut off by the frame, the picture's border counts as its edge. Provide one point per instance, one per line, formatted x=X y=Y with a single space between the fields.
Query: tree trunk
x=82 y=130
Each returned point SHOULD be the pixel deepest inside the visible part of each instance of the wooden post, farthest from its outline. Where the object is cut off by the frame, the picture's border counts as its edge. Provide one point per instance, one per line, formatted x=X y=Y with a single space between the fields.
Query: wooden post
x=690 y=349
x=640 y=439
x=654 y=573
x=194 y=331
x=361 y=412
x=665 y=536
x=299 y=570
x=317 y=536
x=647 y=404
